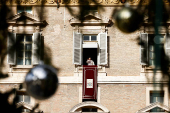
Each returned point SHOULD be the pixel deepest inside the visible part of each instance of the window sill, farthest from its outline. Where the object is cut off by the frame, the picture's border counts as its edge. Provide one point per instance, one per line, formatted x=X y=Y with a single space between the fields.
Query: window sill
x=22 y=66
x=151 y=69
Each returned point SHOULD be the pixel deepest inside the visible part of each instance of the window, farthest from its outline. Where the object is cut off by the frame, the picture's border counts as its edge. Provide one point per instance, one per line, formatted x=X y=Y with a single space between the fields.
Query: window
x=156 y=96
x=89 y=38
x=24 y=50
x=27 y=9
x=27 y=50
x=99 y=46
x=148 y=43
x=159 y=40
x=23 y=97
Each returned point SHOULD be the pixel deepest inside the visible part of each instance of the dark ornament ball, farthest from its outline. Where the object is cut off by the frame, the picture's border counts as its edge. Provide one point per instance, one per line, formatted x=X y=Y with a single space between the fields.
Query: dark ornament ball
x=41 y=82
x=128 y=20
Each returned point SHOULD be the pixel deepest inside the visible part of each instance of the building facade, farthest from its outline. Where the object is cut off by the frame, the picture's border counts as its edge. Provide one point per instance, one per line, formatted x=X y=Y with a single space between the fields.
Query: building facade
x=64 y=35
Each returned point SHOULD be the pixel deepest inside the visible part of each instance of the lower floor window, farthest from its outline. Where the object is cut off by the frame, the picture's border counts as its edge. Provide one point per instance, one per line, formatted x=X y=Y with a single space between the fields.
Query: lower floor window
x=23 y=97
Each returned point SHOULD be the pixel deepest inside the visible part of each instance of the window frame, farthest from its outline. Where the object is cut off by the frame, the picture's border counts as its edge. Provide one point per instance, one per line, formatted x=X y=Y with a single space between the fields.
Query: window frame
x=24 y=50
x=150 y=89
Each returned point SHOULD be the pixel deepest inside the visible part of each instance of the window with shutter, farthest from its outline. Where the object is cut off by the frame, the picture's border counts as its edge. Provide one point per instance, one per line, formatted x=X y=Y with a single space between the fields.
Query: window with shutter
x=26 y=51
x=90 y=41
x=148 y=43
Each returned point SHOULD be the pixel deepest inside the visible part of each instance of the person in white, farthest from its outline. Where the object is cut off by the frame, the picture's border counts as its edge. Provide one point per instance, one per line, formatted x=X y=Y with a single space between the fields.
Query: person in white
x=89 y=61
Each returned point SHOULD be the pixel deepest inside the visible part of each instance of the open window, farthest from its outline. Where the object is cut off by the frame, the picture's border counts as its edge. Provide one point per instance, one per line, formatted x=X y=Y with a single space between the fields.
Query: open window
x=94 y=46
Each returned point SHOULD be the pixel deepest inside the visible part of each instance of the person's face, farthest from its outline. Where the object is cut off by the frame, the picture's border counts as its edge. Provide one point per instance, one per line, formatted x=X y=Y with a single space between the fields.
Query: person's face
x=89 y=58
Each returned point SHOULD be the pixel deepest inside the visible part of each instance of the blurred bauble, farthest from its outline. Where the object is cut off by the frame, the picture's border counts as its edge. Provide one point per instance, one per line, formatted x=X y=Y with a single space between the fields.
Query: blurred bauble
x=128 y=20
x=41 y=82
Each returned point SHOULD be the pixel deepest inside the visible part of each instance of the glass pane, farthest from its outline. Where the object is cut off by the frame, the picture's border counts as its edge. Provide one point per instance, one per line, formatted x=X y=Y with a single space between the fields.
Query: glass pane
x=28 y=46
x=93 y=38
x=28 y=38
x=20 y=98
x=20 y=47
x=20 y=38
x=20 y=9
x=19 y=61
x=26 y=99
x=20 y=54
x=27 y=61
x=86 y=38
x=151 y=62
x=28 y=54
x=160 y=99
x=29 y=9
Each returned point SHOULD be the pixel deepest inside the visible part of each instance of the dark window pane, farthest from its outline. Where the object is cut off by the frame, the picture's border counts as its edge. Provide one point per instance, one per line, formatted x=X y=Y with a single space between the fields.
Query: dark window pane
x=157 y=96
x=85 y=37
x=20 y=54
x=20 y=38
x=20 y=47
x=27 y=61
x=93 y=38
x=28 y=46
x=19 y=61
x=20 y=9
x=29 y=9
x=20 y=98
x=28 y=38
x=28 y=54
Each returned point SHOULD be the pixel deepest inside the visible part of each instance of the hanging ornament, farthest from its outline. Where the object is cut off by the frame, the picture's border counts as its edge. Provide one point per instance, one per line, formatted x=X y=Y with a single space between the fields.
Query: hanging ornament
x=128 y=20
x=41 y=82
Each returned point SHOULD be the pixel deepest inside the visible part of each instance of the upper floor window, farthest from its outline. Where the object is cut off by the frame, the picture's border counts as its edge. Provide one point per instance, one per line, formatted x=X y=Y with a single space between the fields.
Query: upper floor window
x=148 y=44
x=96 y=51
x=24 y=50
x=27 y=50
x=89 y=38
x=27 y=9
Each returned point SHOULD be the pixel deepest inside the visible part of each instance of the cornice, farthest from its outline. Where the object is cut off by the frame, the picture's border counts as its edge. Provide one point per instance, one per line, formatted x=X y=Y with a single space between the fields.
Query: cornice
x=77 y=2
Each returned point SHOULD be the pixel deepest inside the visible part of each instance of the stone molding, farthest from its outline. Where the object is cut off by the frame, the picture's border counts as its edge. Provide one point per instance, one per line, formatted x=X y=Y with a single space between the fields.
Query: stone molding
x=148 y=79
x=85 y=104
x=76 y=2
x=151 y=106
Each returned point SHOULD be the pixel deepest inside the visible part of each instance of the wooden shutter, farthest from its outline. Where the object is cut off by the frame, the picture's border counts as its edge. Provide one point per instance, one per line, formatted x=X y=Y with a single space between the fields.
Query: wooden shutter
x=77 y=39
x=144 y=48
x=36 y=48
x=102 y=55
x=167 y=46
x=11 y=56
